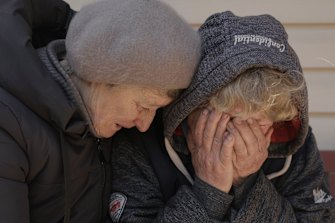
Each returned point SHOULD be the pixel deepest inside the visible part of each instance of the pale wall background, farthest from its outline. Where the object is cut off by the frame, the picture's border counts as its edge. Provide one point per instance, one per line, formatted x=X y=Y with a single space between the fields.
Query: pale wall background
x=311 y=28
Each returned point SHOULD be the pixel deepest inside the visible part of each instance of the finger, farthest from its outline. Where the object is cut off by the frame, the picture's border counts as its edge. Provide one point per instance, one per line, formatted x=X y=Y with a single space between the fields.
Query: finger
x=190 y=142
x=220 y=130
x=268 y=137
x=199 y=127
x=249 y=138
x=258 y=133
x=239 y=145
x=234 y=158
x=210 y=129
x=226 y=154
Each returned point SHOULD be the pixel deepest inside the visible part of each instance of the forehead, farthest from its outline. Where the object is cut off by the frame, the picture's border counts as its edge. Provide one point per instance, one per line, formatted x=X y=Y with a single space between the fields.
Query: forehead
x=153 y=97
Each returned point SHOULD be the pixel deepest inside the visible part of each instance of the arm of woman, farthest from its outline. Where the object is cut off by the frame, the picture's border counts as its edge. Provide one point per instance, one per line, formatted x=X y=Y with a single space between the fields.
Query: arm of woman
x=135 y=184
x=300 y=195
x=14 y=168
x=14 y=203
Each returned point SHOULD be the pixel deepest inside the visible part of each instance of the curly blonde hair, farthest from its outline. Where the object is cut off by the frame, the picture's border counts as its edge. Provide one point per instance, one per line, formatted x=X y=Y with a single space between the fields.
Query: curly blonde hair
x=259 y=89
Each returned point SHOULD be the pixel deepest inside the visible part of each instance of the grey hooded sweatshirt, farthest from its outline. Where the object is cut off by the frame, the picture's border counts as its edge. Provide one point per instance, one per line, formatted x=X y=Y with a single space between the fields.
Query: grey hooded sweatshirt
x=295 y=192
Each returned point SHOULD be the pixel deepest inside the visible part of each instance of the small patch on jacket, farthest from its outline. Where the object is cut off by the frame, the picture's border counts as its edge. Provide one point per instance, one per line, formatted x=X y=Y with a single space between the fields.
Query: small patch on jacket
x=117 y=202
x=321 y=197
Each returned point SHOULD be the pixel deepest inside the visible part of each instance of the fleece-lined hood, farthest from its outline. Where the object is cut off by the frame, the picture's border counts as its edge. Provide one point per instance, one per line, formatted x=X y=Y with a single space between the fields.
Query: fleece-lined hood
x=230 y=46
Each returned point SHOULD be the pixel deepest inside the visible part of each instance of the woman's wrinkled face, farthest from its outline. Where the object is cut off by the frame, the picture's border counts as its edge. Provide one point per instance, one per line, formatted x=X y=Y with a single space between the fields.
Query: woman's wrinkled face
x=123 y=106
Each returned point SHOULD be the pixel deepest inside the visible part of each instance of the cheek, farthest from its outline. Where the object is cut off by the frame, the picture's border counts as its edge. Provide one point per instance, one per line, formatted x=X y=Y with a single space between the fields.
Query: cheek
x=104 y=114
x=125 y=114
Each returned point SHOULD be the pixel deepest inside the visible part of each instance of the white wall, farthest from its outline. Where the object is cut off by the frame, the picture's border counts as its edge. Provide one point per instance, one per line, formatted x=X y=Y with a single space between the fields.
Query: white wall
x=311 y=28
x=77 y=4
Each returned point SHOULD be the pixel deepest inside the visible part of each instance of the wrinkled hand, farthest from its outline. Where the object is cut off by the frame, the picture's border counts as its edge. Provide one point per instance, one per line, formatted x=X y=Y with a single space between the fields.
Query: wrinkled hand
x=250 y=148
x=211 y=147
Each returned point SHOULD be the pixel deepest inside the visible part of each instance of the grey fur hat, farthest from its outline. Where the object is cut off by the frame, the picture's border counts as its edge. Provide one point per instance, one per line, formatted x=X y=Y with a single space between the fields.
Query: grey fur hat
x=134 y=42
x=230 y=46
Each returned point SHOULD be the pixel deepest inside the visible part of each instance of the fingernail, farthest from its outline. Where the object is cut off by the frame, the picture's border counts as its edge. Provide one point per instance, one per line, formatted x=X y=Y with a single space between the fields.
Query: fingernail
x=230 y=126
x=225 y=117
x=238 y=120
x=225 y=134
x=229 y=137
x=205 y=112
x=250 y=121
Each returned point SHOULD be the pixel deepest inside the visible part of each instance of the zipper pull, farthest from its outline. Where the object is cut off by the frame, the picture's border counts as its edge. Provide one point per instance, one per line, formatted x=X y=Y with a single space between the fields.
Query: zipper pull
x=101 y=155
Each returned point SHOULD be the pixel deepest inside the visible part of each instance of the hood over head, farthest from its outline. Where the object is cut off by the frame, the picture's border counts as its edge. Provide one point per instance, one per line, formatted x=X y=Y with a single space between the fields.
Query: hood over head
x=230 y=46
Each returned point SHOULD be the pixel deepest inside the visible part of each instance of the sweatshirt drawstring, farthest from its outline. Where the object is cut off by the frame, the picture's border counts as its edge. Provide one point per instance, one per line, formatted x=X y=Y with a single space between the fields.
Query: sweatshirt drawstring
x=67 y=207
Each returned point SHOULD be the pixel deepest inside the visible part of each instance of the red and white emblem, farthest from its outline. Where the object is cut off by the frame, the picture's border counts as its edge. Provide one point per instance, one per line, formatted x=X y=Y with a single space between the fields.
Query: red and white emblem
x=117 y=203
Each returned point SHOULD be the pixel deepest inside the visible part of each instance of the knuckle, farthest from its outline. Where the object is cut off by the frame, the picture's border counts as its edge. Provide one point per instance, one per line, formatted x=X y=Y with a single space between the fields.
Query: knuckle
x=206 y=135
x=217 y=140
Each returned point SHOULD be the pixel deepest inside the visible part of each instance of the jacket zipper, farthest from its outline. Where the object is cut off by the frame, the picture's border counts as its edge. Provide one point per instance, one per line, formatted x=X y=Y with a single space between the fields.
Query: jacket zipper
x=102 y=162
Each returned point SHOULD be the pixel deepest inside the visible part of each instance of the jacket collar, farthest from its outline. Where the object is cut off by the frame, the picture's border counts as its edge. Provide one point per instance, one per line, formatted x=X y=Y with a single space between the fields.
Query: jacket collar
x=65 y=105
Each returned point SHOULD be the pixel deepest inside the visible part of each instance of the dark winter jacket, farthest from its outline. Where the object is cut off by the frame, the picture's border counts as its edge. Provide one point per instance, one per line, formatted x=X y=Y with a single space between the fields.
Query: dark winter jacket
x=289 y=187
x=51 y=166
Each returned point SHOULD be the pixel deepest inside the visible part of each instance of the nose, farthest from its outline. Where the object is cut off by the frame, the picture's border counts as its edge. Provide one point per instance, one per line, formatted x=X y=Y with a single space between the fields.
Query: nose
x=144 y=120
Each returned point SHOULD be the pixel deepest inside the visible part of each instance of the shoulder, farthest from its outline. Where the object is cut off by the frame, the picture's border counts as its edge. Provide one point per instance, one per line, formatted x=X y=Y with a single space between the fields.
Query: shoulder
x=12 y=112
x=306 y=162
x=13 y=159
x=308 y=153
x=26 y=139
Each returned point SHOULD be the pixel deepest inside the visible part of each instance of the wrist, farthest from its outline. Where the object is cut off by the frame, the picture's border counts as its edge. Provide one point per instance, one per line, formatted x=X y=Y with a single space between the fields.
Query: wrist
x=220 y=184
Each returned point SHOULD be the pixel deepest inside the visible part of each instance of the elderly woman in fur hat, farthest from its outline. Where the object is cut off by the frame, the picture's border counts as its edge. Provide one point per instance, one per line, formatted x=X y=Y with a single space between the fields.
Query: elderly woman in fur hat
x=121 y=61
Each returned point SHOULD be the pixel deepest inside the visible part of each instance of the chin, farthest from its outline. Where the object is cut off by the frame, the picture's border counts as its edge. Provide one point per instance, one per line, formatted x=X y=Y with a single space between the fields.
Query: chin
x=107 y=133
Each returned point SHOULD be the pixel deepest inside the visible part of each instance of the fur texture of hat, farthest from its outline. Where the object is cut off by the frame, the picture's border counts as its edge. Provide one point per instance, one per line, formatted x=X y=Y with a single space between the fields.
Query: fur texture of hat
x=133 y=42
